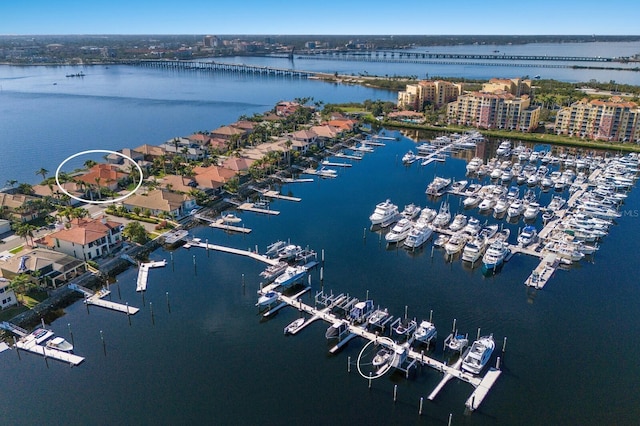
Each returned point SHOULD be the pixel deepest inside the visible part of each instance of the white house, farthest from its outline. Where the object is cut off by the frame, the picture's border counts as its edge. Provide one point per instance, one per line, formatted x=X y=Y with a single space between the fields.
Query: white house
x=7 y=296
x=87 y=239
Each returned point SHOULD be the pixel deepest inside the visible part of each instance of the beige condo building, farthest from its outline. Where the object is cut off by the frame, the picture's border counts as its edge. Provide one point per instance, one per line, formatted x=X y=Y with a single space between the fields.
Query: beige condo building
x=417 y=96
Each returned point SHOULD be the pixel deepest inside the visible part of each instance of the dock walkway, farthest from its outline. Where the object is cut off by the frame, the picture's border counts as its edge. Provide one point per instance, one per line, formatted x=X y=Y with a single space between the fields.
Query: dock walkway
x=249 y=253
x=143 y=273
x=32 y=346
x=250 y=207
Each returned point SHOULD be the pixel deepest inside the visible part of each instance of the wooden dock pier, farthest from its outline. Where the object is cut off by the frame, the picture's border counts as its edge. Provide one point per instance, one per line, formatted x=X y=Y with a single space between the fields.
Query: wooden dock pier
x=92 y=298
x=33 y=347
x=250 y=207
x=143 y=273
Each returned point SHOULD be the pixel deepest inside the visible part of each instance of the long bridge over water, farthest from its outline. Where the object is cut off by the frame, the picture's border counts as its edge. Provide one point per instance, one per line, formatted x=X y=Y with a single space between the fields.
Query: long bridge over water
x=223 y=67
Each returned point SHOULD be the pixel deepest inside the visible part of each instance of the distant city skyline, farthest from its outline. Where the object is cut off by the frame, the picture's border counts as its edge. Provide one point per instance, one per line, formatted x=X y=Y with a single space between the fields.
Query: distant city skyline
x=355 y=17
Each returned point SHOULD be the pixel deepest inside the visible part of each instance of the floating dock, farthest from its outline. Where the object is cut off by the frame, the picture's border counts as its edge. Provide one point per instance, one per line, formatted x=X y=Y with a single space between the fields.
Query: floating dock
x=92 y=298
x=249 y=253
x=221 y=224
x=143 y=273
x=277 y=195
x=250 y=207
x=543 y=272
x=32 y=346
x=335 y=164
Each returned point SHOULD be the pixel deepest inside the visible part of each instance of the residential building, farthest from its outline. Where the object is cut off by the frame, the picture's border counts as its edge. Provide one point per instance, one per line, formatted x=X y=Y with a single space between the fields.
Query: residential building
x=516 y=86
x=44 y=265
x=494 y=111
x=427 y=92
x=612 y=120
x=212 y=178
x=162 y=201
x=302 y=140
x=87 y=239
x=17 y=206
x=7 y=296
x=183 y=147
x=103 y=175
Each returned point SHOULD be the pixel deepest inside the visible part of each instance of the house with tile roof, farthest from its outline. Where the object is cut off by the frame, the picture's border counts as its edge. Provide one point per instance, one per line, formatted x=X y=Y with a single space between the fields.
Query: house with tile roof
x=302 y=140
x=52 y=267
x=237 y=164
x=105 y=175
x=200 y=139
x=17 y=206
x=212 y=178
x=54 y=191
x=87 y=238
x=161 y=201
x=227 y=132
x=150 y=151
x=177 y=183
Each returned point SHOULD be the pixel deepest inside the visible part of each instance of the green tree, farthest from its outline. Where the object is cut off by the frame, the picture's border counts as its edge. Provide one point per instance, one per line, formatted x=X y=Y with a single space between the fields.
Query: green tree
x=43 y=172
x=25 y=230
x=21 y=284
x=135 y=232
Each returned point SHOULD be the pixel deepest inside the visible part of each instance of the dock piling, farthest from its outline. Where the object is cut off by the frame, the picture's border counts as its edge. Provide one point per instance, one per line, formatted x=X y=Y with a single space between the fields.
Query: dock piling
x=128 y=316
x=395 y=393
x=369 y=379
x=15 y=345
x=498 y=363
x=118 y=286
x=449 y=422
x=153 y=320
x=478 y=333
x=104 y=346
x=431 y=315
x=421 y=402
x=504 y=344
x=71 y=334
x=364 y=233
x=168 y=304
x=453 y=329
x=348 y=364
x=207 y=246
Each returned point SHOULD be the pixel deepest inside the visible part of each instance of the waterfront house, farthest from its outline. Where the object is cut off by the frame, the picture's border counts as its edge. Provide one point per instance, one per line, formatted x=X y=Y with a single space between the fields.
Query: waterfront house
x=228 y=133
x=7 y=296
x=237 y=164
x=55 y=192
x=87 y=239
x=303 y=140
x=162 y=201
x=211 y=179
x=119 y=159
x=326 y=133
x=150 y=151
x=183 y=147
x=177 y=183
x=286 y=108
x=103 y=175
x=199 y=139
x=18 y=206
x=47 y=267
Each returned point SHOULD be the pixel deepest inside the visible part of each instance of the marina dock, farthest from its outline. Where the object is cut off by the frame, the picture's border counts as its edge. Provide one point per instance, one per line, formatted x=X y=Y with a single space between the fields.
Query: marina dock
x=277 y=195
x=32 y=346
x=335 y=164
x=251 y=207
x=249 y=253
x=482 y=385
x=96 y=299
x=143 y=273
x=221 y=224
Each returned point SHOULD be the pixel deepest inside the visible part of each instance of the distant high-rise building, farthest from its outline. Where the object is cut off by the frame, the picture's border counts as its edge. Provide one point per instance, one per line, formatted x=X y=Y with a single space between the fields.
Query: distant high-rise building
x=210 y=41
x=437 y=93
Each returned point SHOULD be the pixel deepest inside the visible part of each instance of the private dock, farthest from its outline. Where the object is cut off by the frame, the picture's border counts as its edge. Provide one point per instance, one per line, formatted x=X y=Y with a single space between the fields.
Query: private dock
x=348 y=156
x=248 y=253
x=543 y=272
x=275 y=194
x=30 y=345
x=336 y=164
x=251 y=207
x=221 y=224
x=143 y=273
x=482 y=385
x=96 y=299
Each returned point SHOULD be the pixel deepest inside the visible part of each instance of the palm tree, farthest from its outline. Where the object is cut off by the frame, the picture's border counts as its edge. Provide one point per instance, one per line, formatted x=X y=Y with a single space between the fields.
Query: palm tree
x=42 y=171
x=25 y=230
x=12 y=182
x=89 y=164
x=98 y=179
x=25 y=188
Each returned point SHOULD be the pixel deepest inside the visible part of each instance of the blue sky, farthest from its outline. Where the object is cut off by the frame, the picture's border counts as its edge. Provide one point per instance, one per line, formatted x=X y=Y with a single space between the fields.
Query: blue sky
x=613 y=17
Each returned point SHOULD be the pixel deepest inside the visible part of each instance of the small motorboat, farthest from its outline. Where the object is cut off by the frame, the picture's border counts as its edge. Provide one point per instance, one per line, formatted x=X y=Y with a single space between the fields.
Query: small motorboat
x=383 y=357
x=456 y=342
x=405 y=328
x=59 y=344
x=478 y=355
x=267 y=298
x=425 y=332
x=231 y=218
x=294 y=326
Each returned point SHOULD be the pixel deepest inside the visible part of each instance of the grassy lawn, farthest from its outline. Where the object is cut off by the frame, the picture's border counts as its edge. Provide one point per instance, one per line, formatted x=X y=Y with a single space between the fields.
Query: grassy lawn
x=7 y=314
x=16 y=250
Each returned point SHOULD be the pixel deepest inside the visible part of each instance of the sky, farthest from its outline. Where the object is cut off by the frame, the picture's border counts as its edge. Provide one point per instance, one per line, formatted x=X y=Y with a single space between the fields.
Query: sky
x=219 y=17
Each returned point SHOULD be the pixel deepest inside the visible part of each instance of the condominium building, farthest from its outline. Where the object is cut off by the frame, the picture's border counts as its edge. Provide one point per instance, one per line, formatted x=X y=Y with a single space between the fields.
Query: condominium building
x=612 y=120
x=516 y=86
x=499 y=110
x=437 y=93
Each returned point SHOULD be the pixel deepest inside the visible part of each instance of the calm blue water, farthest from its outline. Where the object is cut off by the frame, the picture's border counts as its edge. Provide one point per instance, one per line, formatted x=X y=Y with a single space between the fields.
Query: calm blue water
x=571 y=351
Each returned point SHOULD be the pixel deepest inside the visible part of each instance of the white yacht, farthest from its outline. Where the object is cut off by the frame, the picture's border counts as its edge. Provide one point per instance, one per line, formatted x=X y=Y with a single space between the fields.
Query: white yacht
x=529 y=235
x=474 y=164
x=501 y=207
x=487 y=203
x=418 y=235
x=290 y=276
x=60 y=344
x=474 y=249
x=425 y=332
x=515 y=209
x=409 y=157
x=399 y=231
x=273 y=271
x=473 y=226
x=459 y=222
x=504 y=148
x=384 y=214
x=410 y=211
x=443 y=217
x=495 y=254
x=531 y=212
x=471 y=201
x=478 y=355
x=427 y=215
x=455 y=243
x=489 y=231
x=437 y=185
